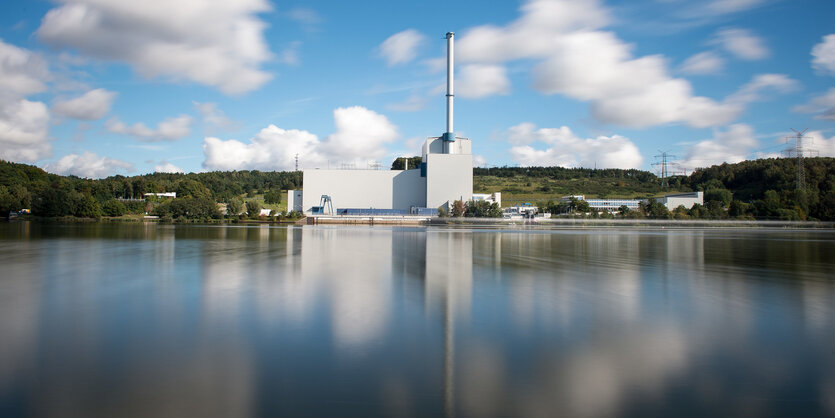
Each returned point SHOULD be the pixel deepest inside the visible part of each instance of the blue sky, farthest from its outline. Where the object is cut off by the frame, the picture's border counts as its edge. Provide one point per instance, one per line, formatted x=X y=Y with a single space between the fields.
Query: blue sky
x=102 y=87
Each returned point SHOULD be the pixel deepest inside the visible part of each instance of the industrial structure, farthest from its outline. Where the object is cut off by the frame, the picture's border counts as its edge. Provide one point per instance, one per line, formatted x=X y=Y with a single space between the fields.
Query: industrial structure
x=445 y=175
x=671 y=201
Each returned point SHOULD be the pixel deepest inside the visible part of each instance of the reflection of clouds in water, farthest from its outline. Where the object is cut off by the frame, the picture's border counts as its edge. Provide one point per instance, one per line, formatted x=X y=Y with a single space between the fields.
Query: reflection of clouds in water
x=596 y=379
x=20 y=290
x=355 y=265
x=818 y=300
x=449 y=272
x=214 y=379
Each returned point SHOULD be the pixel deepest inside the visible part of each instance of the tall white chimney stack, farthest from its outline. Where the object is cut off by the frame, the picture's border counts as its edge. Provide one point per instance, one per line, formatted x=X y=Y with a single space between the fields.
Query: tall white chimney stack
x=450 y=133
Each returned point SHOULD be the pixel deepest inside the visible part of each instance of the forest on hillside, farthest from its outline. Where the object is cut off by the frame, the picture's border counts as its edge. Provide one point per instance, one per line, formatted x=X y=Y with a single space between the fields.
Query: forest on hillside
x=756 y=189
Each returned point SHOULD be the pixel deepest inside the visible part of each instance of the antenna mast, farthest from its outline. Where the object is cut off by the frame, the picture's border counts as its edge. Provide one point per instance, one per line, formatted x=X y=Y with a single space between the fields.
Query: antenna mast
x=297 y=162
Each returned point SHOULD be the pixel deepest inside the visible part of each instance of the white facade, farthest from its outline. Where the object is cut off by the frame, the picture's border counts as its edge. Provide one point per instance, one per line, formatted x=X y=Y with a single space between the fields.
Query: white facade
x=355 y=189
x=672 y=201
x=449 y=177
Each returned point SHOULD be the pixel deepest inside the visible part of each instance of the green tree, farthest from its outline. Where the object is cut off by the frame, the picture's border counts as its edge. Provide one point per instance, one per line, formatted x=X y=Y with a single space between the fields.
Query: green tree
x=482 y=209
x=234 y=206
x=655 y=210
x=194 y=189
x=723 y=196
x=272 y=197
x=83 y=205
x=113 y=207
x=399 y=163
x=623 y=210
x=739 y=209
x=253 y=208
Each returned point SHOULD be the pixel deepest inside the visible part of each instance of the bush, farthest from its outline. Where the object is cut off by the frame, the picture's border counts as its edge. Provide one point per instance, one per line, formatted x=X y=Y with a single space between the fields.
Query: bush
x=188 y=208
x=253 y=208
x=272 y=197
x=113 y=207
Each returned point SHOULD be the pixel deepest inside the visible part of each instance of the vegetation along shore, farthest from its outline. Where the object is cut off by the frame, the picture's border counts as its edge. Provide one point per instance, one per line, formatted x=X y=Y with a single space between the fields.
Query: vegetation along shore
x=750 y=190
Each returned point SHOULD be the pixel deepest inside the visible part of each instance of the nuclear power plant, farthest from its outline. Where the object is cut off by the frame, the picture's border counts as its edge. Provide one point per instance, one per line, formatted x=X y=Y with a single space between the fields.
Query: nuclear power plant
x=445 y=175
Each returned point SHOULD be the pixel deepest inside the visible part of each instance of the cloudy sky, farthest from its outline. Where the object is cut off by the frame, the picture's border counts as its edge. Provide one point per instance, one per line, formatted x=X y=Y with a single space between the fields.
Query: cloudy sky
x=101 y=87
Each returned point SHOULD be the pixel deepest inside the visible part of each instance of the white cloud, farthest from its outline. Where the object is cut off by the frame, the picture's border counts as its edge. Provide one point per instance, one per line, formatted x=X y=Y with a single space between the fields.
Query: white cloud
x=24 y=124
x=24 y=131
x=823 y=105
x=730 y=6
x=732 y=146
x=401 y=47
x=707 y=62
x=411 y=104
x=753 y=90
x=170 y=129
x=742 y=44
x=218 y=43
x=290 y=54
x=535 y=34
x=481 y=80
x=21 y=72
x=272 y=149
x=166 y=167
x=566 y=149
x=213 y=117
x=93 y=105
x=88 y=165
x=578 y=60
x=361 y=135
x=824 y=55
x=305 y=16
x=816 y=141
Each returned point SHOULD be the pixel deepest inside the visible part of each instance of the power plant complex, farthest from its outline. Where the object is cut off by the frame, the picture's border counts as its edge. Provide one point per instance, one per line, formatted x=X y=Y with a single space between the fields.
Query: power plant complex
x=445 y=175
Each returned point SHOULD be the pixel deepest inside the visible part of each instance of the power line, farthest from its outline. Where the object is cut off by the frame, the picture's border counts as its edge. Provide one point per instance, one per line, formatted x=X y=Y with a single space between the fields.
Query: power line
x=664 y=173
x=799 y=152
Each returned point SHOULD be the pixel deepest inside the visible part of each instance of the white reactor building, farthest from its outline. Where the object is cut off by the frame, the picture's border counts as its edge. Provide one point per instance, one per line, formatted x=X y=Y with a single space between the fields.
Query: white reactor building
x=445 y=175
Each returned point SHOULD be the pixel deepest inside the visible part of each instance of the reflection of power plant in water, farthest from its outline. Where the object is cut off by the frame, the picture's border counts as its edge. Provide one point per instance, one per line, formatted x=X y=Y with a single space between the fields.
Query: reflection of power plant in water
x=443 y=262
x=449 y=281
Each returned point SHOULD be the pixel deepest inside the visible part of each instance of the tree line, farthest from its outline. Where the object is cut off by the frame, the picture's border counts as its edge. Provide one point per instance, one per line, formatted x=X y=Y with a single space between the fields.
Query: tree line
x=754 y=189
x=24 y=186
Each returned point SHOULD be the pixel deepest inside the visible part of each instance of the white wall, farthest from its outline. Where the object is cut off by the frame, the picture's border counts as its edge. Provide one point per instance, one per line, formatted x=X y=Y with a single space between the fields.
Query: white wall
x=448 y=177
x=379 y=189
x=686 y=199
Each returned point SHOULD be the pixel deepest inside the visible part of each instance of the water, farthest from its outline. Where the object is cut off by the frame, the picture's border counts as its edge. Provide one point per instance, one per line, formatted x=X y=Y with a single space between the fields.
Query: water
x=147 y=320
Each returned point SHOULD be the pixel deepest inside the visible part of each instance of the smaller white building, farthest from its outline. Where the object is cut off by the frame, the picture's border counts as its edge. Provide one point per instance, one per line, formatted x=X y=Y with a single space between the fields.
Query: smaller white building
x=489 y=197
x=672 y=201
x=165 y=194
x=294 y=200
x=520 y=211
x=609 y=205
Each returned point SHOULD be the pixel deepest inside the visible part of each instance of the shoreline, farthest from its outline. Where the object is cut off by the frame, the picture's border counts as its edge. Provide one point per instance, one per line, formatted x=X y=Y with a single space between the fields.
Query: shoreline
x=468 y=222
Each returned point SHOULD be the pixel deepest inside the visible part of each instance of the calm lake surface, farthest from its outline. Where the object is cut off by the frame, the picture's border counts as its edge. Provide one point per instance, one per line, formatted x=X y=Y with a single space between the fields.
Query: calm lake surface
x=157 y=320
